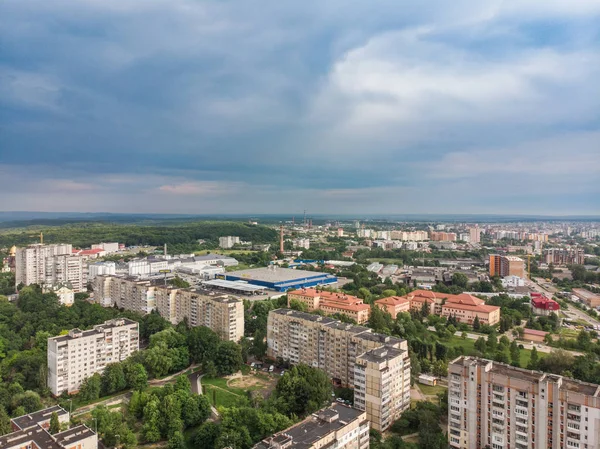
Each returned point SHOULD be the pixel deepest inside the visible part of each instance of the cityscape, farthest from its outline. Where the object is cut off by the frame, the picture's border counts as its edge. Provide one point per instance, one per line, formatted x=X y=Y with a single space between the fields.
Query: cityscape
x=299 y=225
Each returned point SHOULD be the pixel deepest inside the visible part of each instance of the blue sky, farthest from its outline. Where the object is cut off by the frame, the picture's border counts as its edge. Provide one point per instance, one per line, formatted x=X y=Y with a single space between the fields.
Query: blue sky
x=182 y=106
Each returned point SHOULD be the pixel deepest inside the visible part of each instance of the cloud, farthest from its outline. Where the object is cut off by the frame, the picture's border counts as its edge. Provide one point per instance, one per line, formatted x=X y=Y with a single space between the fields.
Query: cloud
x=295 y=104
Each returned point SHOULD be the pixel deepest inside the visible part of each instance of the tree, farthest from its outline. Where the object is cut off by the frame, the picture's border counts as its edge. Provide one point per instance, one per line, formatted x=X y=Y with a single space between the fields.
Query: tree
x=177 y=441
x=558 y=361
x=492 y=342
x=377 y=320
x=179 y=283
x=476 y=324
x=302 y=390
x=533 y=360
x=480 y=345
x=90 y=388
x=113 y=379
x=5 y=426
x=460 y=279
x=515 y=354
x=136 y=376
x=228 y=358
x=207 y=435
x=425 y=310
x=202 y=343
x=578 y=272
x=195 y=410
x=298 y=305
x=54 y=423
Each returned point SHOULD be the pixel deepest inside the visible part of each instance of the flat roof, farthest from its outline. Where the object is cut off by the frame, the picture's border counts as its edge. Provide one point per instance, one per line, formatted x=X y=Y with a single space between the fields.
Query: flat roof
x=73 y=435
x=276 y=275
x=97 y=330
x=234 y=285
x=314 y=428
x=382 y=354
x=20 y=439
x=32 y=419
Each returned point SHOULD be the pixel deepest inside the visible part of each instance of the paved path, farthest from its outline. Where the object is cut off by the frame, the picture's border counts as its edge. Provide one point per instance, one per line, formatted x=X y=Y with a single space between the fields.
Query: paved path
x=196 y=382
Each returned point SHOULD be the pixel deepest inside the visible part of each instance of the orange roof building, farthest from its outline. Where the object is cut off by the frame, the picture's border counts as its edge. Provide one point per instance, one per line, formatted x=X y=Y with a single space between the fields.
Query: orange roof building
x=332 y=303
x=464 y=307
x=393 y=305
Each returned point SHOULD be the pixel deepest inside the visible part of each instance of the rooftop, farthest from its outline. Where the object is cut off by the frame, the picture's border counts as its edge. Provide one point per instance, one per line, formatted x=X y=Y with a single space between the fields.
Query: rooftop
x=392 y=300
x=33 y=419
x=78 y=333
x=73 y=435
x=314 y=428
x=380 y=355
x=234 y=285
x=276 y=274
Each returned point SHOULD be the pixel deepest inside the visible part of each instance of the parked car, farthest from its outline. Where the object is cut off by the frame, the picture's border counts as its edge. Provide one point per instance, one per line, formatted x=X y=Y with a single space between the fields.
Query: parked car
x=271 y=368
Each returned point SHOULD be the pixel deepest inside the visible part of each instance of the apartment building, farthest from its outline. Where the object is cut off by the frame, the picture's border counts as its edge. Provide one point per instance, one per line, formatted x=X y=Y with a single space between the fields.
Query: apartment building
x=228 y=241
x=442 y=236
x=474 y=235
x=48 y=265
x=382 y=385
x=564 y=256
x=464 y=307
x=74 y=357
x=506 y=266
x=31 y=432
x=332 y=303
x=221 y=313
x=499 y=406
x=336 y=348
x=337 y=426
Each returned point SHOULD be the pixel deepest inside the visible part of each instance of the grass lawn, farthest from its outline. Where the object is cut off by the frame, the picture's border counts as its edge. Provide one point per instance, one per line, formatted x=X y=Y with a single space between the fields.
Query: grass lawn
x=387 y=261
x=432 y=390
x=234 y=393
x=569 y=333
x=223 y=398
x=469 y=349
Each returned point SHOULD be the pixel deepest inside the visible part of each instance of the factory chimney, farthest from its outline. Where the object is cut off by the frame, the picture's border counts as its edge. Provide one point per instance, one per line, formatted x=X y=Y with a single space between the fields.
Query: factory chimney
x=165 y=250
x=281 y=239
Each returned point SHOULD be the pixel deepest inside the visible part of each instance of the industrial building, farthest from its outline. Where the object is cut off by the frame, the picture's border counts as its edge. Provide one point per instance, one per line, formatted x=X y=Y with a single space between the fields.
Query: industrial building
x=491 y=404
x=337 y=426
x=281 y=279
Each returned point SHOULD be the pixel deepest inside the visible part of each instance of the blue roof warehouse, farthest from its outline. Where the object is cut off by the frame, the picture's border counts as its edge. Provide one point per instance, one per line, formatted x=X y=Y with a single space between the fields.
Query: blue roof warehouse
x=281 y=279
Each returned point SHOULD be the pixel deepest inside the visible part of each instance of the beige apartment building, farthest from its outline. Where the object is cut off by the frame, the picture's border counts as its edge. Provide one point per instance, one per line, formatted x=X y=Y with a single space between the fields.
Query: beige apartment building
x=221 y=313
x=495 y=405
x=382 y=385
x=507 y=266
x=331 y=303
x=337 y=426
x=74 y=357
x=50 y=265
x=336 y=348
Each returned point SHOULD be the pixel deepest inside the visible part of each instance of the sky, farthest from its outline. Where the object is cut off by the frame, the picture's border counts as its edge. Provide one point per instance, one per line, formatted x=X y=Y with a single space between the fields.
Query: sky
x=348 y=107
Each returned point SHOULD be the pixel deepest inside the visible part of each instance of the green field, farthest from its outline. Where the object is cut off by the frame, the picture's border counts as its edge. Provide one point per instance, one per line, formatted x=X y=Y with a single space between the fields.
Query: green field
x=220 y=394
x=432 y=390
x=223 y=398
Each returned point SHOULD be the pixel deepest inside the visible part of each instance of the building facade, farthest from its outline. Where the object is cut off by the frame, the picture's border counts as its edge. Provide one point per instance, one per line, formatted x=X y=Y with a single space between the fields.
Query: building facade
x=494 y=405
x=337 y=426
x=48 y=265
x=74 y=357
x=572 y=255
x=331 y=303
x=506 y=266
x=337 y=348
x=221 y=313
x=393 y=305
x=474 y=235
x=228 y=241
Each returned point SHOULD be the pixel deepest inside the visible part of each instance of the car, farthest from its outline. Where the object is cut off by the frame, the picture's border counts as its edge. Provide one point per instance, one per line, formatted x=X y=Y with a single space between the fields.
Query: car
x=271 y=368
x=252 y=365
x=340 y=400
x=282 y=373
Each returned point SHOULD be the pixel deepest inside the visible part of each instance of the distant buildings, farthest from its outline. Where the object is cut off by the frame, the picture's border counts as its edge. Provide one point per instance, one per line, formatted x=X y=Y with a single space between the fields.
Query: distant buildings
x=208 y=265
x=512 y=282
x=74 y=357
x=101 y=268
x=463 y=307
x=587 y=297
x=223 y=314
x=302 y=243
x=409 y=236
x=48 y=265
x=66 y=296
x=442 y=236
x=474 y=235
x=381 y=378
x=109 y=248
x=31 y=432
x=228 y=242
x=337 y=426
x=332 y=303
x=495 y=405
x=506 y=266
x=572 y=255
x=541 y=305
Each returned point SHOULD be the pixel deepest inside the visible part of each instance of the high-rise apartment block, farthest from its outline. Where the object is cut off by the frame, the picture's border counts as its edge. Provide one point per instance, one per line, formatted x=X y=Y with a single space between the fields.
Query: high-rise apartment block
x=221 y=313
x=474 y=235
x=494 y=405
x=74 y=357
x=564 y=256
x=344 y=352
x=337 y=426
x=50 y=265
x=442 y=236
x=228 y=241
x=506 y=266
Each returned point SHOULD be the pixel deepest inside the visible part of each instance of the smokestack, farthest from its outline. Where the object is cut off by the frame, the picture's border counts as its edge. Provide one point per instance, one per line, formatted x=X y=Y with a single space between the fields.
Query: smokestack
x=281 y=239
x=42 y=238
x=165 y=250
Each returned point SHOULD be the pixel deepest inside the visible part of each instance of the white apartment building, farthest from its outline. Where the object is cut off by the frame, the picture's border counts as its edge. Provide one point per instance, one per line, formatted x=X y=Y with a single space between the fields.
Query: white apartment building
x=382 y=385
x=337 y=348
x=146 y=267
x=475 y=235
x=302 y=243
x=74 y=357
x=101 y=268
x=66 y=296
x=111 y=247
x=334 y=427
x=228 y=241
x=495 y=405
x=48 y=265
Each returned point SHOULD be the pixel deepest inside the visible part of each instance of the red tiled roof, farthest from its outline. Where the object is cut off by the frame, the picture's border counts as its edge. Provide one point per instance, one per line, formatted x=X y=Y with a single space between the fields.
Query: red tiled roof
x=392 y=300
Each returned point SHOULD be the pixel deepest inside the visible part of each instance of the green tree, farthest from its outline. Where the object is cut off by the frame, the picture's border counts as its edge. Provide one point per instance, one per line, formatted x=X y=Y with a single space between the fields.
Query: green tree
x=460 y=279
x=177 y=441
x=179 y=283
x=298 y=305
x=90 y=388
x=195 y=410
x=302 y=390
x=533 y=360
x=202 y=343
x=207 y=435
x=476 y=324
x=5 y=426
x=136 y=376
x=228 y=358
x=480 y=345
x=113 y=379
x=54 y=423
x=515 y=354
